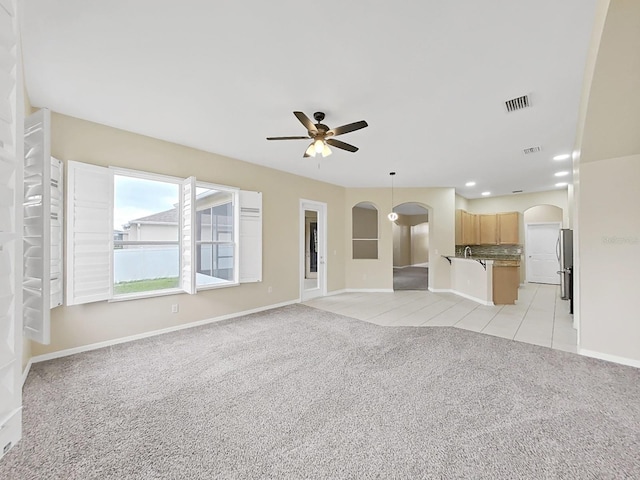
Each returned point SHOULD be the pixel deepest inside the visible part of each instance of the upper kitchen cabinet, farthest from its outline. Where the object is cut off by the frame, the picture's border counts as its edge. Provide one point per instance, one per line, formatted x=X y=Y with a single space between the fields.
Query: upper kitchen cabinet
x=488 y=229
x=508 y=228
x=467 y=228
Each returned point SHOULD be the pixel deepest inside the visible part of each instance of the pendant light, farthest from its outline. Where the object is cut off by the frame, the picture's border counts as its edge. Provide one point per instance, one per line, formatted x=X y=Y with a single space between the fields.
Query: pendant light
x=393 y=216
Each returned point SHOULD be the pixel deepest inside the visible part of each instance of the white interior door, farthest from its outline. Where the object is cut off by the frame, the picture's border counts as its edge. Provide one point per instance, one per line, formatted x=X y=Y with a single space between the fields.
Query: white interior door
x=542 y=254
x=313 y=244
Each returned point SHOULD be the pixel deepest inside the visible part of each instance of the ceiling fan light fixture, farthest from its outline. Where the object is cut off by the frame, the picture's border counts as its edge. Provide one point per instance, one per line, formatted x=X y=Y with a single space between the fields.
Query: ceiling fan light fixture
x=326 y=151
x=311 y=151
x=319 y=145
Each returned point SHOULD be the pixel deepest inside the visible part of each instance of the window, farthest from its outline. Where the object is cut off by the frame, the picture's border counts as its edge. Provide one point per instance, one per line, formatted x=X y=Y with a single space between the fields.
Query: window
x=216 y=236
x=133 y=234
x=146 y=254
x=364 y=218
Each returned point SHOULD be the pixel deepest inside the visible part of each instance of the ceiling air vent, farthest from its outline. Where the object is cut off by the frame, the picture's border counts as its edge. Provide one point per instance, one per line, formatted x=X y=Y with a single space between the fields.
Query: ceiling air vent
x=516 y=191
x=517 y=103
x=529 y=150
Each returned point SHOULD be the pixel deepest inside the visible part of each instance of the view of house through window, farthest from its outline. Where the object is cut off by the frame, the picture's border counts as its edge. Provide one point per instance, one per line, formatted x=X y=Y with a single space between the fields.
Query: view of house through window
x=215 y=237
x=146 y=235
x=146 y=254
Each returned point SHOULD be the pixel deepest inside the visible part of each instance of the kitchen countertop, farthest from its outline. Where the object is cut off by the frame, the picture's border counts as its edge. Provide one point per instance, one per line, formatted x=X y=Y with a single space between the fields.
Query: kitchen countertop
x=498 y=260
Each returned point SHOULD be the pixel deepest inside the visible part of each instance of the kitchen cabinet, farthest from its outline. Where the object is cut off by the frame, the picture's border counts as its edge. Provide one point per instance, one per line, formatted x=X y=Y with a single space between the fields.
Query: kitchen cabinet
x=488 y=229
x=470 y=229
x=506 y=280
x=467 y=228
x=508 y=228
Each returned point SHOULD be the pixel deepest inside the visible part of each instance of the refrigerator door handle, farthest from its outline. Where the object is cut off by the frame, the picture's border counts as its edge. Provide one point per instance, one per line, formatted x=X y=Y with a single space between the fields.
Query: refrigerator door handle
x=558 y=247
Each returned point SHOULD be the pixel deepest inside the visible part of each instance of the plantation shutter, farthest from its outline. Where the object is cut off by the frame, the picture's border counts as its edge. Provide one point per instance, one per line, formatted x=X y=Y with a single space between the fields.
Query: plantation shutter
x=89 y=233
x=57 y=266
x=250 y=236
x=187 y=235
x=36 y=280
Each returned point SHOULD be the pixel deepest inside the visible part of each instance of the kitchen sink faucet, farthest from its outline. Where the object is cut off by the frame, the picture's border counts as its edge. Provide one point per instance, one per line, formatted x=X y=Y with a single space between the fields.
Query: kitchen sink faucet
x=467 y=249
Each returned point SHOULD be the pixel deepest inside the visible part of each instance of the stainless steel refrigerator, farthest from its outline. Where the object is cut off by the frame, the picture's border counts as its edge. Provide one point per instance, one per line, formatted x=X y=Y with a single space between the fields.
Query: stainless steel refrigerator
x=564 y=252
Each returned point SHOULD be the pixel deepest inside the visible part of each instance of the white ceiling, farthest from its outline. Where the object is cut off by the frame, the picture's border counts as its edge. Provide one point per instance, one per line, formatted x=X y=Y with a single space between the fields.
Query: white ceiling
x=430 y=77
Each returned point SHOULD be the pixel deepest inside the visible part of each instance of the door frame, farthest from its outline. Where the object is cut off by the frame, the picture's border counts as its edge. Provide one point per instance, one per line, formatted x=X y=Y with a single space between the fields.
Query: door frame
x=321 y=209
x=527 y=243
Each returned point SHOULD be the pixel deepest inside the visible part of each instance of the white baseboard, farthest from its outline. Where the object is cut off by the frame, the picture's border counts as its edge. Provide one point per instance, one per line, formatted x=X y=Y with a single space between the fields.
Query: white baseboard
x=610 y=358
x=26 y=370
x=139 y=336
x=368 y=290
x=336 y=292
x=463 y=295
x=440 y=290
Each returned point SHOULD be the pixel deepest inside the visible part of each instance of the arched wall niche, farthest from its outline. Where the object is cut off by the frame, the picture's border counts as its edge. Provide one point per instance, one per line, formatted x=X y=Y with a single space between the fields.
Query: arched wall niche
x=364 y=231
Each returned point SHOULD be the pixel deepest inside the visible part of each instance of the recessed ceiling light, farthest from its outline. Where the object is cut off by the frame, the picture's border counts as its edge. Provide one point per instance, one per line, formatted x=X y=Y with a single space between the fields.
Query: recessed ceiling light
x=561 y=174
x=561 y=184
x=564 y=156
x=484 y=194
x=469 y=184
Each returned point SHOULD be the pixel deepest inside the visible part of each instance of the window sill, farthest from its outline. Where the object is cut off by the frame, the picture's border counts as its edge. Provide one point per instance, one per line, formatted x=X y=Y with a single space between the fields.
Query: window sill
x=215 y=286
x=138 y=296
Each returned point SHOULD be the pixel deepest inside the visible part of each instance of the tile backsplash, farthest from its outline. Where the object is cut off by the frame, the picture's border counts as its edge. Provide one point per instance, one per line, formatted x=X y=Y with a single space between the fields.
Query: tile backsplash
x=491 y=250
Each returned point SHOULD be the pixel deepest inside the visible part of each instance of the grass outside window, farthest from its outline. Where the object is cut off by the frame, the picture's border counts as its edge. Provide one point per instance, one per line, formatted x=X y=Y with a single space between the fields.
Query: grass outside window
x=148 y=285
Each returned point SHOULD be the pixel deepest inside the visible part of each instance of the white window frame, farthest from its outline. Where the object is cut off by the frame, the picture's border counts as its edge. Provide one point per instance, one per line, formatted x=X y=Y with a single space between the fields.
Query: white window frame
x=236 y=234
x=156 y=177
x=247 y=234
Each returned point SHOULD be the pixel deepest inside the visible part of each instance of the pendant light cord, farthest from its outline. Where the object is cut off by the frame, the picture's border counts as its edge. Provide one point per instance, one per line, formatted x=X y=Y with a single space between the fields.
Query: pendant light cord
x=392 y=216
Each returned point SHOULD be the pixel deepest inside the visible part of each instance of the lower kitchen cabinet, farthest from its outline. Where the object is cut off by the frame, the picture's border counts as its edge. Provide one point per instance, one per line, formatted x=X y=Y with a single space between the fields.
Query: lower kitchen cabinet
x=506 y=280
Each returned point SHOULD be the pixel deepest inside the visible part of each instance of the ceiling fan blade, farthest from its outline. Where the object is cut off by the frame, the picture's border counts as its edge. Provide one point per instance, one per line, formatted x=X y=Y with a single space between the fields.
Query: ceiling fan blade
x=306 y=121
x=287 y=138
x=351 y=127
x=338 y=144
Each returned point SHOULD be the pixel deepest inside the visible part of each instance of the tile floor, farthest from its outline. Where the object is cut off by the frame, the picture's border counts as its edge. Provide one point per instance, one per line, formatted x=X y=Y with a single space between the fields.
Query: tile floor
x=540 y=316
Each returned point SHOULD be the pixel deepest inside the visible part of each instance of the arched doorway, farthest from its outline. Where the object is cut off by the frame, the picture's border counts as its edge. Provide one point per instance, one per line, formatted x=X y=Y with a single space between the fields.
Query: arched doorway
x=411 y=247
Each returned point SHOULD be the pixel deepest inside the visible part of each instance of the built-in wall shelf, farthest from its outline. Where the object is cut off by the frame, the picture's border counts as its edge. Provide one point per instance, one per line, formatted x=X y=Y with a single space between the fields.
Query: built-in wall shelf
x=11 y=189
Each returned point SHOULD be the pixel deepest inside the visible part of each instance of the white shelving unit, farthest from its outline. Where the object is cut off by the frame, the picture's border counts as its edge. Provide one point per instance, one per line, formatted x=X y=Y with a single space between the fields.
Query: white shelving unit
x=42 y=228
x=11 y=192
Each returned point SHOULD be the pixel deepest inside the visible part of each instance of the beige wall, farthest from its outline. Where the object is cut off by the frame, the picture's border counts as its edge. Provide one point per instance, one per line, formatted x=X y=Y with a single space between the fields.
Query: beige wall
x=74 y=139
x=378 y=274
x=543 y=214
x=420 y=243
x=607 y=193
x=472 y=279
x=462 y=203
x=521 y=202
x=401 y=245
x=410 y=240
x=610 y=257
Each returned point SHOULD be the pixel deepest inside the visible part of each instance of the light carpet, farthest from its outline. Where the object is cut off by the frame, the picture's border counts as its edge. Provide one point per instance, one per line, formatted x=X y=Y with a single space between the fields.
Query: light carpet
x=297 y=392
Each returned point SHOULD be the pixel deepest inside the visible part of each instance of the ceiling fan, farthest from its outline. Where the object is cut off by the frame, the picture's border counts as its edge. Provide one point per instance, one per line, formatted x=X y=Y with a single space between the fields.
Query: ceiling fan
x=322 y=136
